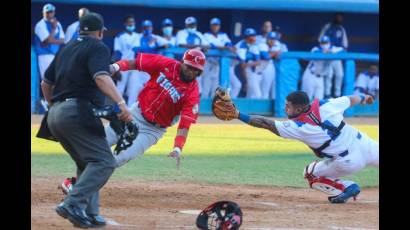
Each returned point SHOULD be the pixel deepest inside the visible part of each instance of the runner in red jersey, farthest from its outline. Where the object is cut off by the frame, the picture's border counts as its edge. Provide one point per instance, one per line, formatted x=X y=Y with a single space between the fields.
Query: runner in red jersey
x=170 y=95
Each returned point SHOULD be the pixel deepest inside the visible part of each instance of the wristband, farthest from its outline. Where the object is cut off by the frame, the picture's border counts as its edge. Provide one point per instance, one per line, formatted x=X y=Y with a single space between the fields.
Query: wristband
x=123 y=64
x=178 y=150
x=116 y=67
x=244 y=117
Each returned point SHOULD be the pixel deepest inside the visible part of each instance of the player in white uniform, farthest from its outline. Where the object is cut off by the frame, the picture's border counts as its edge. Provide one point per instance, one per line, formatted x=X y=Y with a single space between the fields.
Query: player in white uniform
x=320 y=125
x=190 y=38
x=217 y=40
x=269 y=51
x=167 y=39
x=124 y=43
x=368 y=82
x=249 y=57
x=73 y=30
x=317 y=72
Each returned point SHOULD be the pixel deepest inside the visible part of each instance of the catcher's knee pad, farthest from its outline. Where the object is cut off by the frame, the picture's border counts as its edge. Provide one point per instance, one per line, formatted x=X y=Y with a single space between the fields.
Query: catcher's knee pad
x=329 y=186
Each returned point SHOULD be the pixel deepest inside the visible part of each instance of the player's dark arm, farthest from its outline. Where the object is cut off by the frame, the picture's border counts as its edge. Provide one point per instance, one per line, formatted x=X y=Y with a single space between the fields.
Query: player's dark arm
x=258 y=122
x=51 y=40
x=360 y=99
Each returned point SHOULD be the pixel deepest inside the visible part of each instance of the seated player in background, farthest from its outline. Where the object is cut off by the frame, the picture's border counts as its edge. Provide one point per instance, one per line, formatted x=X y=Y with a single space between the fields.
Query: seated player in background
x=320 y=125
x=368 y=82
x=171 y=95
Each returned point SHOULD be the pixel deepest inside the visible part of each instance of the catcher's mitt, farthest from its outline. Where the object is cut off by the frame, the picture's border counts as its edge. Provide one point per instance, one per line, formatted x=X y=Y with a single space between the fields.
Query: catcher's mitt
x=222 y=105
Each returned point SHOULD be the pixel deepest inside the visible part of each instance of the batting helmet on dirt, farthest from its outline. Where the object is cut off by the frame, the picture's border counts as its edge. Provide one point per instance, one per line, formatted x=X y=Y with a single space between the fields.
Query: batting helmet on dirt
x=221 y=215
x=194 y=58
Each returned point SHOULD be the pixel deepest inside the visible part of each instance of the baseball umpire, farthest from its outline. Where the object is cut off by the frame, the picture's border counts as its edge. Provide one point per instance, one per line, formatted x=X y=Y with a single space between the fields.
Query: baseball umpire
x=74 y=85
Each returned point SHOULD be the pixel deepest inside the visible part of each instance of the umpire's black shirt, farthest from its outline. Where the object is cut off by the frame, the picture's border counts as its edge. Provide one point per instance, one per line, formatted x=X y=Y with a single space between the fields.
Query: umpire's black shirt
x=75 y=67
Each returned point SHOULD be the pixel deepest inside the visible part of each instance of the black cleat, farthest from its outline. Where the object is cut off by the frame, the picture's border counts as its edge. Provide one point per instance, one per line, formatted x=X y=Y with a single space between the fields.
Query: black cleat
x=75 y=215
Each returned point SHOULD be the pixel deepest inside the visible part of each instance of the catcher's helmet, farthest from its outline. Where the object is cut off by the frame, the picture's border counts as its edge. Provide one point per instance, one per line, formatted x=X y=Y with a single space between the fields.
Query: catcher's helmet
x=221 y=215
x=194 y=58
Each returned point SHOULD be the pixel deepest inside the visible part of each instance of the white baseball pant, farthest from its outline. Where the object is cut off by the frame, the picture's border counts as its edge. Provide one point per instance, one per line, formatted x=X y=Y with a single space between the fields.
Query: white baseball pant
x=210 y=79
x=44 y=61
x=336 y=70
x=268 y=81
x=234 y=83
x=148 y=135
x=135 y=85
x=363 y=152
x=253 y=81
x=312 y=85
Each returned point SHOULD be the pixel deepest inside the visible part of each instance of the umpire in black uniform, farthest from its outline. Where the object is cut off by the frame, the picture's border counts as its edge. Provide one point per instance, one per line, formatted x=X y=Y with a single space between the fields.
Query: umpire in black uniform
x=73 y=84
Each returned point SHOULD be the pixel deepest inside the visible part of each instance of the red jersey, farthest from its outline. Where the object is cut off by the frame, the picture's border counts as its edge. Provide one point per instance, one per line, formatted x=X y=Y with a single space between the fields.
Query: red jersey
x=165 y=96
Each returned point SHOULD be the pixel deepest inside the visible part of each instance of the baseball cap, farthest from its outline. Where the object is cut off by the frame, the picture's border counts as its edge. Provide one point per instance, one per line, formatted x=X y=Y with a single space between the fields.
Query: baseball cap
x=215 y=21
x=48 y=8
x=273 y=35
x=250 y=32
x=92 y=22
x=167 y=22
x=190 y=20
x=324 y=39
x=146 y=23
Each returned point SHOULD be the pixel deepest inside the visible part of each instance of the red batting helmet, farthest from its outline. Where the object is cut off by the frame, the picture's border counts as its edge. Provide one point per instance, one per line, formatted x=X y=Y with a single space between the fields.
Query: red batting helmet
x=194 y=58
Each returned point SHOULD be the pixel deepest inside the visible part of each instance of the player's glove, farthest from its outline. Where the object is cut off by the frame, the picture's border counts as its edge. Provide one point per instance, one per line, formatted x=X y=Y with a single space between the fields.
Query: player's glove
x=222 y=105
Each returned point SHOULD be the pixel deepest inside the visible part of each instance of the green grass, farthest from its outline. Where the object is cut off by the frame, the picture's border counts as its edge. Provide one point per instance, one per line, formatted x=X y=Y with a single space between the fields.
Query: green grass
x=231 y=154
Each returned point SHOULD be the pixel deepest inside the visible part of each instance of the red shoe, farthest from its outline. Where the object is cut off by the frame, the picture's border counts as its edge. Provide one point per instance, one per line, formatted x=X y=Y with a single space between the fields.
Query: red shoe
x=67 y=185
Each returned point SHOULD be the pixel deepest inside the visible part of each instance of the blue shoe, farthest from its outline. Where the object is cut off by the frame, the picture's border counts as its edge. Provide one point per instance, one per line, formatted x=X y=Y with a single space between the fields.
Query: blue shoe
x=351 y=191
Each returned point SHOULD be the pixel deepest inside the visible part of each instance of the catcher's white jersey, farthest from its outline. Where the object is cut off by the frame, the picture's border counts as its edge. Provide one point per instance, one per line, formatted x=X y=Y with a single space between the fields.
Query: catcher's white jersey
x=331 y=112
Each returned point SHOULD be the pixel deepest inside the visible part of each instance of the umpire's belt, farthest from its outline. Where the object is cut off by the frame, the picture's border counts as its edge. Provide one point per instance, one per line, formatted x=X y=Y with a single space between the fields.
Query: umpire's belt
x=152 y=123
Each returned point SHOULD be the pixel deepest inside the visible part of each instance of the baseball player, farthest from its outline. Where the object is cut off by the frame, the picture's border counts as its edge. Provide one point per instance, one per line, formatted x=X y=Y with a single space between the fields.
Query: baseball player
x=124 y=43
x=49 y=35
x=269 y=51
x=167 y=40
x=317 y=72
x=148 y=43
x=368 y=82
x=320 y=125
x=266 y=29
x=189 y=38
x=249 y=57
x=217 y=40
x=73 y=30
x=170 y=95
x=338 y=37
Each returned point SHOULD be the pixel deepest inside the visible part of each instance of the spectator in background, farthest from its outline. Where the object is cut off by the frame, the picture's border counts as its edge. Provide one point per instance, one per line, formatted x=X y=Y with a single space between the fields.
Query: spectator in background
x=338 y=37
x=167 y=40
x=124 y=43
x=317 y=71
x=368 y=82
x=249 y=57
x=217 y=40
x=73 y=30
x=49 y=36
x=269 y=51
x=266 y=28
x=190 y=38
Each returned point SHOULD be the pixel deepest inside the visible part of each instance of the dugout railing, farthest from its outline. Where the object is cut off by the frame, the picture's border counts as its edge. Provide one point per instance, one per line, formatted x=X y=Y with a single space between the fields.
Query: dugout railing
x=286 y=81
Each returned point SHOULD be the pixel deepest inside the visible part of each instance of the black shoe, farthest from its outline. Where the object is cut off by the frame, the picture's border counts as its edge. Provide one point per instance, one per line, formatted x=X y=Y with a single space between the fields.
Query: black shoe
x=75 y=215
x=97 y=220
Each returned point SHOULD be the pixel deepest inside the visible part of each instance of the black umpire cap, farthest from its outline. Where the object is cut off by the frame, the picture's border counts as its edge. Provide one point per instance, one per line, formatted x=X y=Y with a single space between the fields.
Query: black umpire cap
x=92 y=22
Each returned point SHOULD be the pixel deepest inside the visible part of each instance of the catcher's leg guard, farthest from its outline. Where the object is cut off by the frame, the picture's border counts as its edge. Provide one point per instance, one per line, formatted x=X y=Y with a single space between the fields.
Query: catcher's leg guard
x=327 y=185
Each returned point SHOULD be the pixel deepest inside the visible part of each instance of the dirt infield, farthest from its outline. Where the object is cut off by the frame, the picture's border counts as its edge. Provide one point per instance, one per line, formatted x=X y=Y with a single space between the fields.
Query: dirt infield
x=157 y=205
x=36 y=119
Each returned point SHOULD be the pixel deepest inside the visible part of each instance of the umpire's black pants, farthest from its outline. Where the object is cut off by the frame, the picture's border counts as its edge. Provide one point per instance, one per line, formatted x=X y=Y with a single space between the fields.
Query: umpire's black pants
x=91 y=153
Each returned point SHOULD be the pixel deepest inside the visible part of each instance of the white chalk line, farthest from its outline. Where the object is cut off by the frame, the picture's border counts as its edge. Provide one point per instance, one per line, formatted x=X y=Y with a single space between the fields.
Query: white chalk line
x=350 y=228
x=271 y=204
